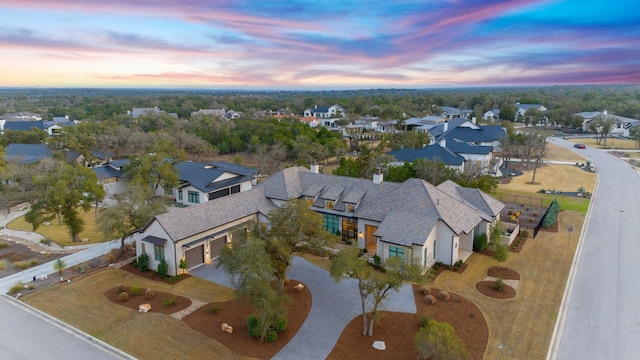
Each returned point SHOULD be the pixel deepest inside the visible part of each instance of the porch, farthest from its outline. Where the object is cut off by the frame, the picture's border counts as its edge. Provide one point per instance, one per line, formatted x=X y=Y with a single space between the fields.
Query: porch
x=464 y=254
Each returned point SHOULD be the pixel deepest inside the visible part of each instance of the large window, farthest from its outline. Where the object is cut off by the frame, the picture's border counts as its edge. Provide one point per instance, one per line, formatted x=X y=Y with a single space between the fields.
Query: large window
x=351 y=208
x=396 y=251
x=331 y=223
x=235 y=189
x=180 y=194
x=349 y=229
x=168 y=190
x=193 y=197
x=158 y=252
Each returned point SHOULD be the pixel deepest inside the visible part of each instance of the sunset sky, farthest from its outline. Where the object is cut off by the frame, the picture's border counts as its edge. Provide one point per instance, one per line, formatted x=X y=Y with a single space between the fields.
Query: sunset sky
x=317 y=44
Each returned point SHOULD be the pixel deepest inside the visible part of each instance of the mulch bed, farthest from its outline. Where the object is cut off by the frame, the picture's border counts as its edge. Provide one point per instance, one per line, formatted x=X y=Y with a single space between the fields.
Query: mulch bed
x=487 y=288
x=398 y=330
x=443 y=268
x=553 y=228
x=503 y=273
x=517 y=248
x=152 y=275
x=235 y=314
x=157 y=302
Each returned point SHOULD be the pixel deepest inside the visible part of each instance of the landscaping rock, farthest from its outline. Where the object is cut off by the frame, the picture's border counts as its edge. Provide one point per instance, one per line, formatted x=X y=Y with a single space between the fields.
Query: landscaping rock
x=225 y=327
x=379 y=345
x=299 y=287
x=144 y=308
x=430 y=299
x=443 y=295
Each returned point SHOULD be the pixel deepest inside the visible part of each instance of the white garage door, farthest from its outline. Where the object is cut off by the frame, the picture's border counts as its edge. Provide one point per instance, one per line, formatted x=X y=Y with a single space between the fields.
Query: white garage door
x=194 y=256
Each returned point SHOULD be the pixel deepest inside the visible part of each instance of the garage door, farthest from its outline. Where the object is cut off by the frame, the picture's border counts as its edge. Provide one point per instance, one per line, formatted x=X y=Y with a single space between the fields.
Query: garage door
x=194 y=256
x=217 y=245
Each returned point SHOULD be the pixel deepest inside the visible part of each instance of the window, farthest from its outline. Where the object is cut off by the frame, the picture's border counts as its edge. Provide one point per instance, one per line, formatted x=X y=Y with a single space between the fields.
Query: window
x=310 y=201
x=235 y=189
x=158 y=252
x=193 y=197
x=329 y=204
x=144 y=248
x=349 y=229
x=218 y=194
x=331 y=223
x=168 y=190
x=396 y=251
x=351 y=208
x=180 y=194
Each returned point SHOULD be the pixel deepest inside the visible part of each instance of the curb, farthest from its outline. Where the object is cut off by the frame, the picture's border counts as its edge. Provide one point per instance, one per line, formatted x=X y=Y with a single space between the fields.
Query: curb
x=116 y=353
x=556 y=337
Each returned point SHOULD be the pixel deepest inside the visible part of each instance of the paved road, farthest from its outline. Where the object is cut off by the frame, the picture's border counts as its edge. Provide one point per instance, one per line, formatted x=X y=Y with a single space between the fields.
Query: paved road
x=600 y=316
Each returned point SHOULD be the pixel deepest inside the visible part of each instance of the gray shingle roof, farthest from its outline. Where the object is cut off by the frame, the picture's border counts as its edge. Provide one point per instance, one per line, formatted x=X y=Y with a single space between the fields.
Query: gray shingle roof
x=285 y=184
x=203 y=176
x=182 y=223
x=474 y=197
x=332 y=193
x=29 y=153
x=406 y=228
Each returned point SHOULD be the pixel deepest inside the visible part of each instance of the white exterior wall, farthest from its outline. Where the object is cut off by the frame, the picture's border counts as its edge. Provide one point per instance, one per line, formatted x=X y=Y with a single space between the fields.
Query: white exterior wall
x=225 y=176
x=466 y=241
x=169 y=251
x=444 y=246
x=361 y=230
x=115 y=188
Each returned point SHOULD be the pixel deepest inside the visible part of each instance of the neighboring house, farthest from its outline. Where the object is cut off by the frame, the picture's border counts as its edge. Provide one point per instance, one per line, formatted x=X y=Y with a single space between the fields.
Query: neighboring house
x=326 y=112
x=311 y=120
x=431 y=152
x=216 y=112
x=111 y=177
x=423 y=124
x=522 y=109
x=387 y=126
x=135 y=112
x=232 y=115
x=621 y=124
x=413 y=220
x=21 y=116
x=467 y=131
x=368 y=123
x=22 y=125
x=492 y=115
x=32 y=153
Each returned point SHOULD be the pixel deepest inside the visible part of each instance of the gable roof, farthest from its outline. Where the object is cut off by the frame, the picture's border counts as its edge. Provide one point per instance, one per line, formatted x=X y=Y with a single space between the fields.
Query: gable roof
x=431 y=152
x=461 y=147
x=204 y=176
x=474 y=197
x=24 y=125
x=29 y=153
x=181 y=223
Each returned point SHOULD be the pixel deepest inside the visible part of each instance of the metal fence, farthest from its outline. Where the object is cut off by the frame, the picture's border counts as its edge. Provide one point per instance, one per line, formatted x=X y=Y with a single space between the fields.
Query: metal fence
x=522 y=199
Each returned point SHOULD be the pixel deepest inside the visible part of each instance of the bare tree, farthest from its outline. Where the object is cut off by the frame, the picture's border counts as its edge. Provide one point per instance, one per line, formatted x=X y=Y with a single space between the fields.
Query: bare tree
x=538 y=152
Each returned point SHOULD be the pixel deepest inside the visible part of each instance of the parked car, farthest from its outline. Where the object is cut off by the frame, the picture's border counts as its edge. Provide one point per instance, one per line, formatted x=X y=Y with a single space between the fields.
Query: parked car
x=579 y=146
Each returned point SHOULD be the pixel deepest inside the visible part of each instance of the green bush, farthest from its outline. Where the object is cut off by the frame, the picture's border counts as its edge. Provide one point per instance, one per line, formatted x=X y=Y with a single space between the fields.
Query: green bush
x=425 y=321
x=15 y=288
x=255 y=328
x=499 y=284
x=272 y=336
x=543 y=191
x=376 y=260
x=280 y=325
x=169 y=301
x=3 y=264
x=500 y=252
x=25 y=264
x=439 y=341
x=134 y=290
x=4 y=244
x=123 y=296
x=163 y=268
x=480 y=242
x=214 y=309
x=143 y=262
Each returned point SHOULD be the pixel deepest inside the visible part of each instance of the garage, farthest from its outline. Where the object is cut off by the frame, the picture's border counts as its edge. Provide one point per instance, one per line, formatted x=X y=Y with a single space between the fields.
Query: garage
x=194 y=256
x=216 y=246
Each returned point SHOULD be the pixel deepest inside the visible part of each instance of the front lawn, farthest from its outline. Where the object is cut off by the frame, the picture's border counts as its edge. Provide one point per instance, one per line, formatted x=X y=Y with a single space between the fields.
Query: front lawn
x=60 y=233
x=612 y=143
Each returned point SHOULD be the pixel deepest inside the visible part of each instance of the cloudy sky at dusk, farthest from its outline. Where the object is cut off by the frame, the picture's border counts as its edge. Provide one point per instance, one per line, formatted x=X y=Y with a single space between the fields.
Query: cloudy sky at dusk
x=318 y=44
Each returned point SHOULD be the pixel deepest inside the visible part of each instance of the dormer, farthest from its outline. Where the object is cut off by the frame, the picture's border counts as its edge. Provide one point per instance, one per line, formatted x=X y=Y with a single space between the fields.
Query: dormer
x=352 y=199
x=331 y=196
x=311 y=193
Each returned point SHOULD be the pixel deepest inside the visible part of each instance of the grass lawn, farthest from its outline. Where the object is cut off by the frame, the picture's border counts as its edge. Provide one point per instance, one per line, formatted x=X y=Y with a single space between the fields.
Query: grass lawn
x=612 y=143
x=558 y=153
x=145 y=336
x=552 y=177
x=60 y=234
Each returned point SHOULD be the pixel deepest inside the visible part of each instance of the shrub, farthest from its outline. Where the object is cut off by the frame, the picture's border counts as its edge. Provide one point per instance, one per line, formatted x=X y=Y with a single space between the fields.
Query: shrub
x=439 y=341
x=280 y=325
x=425 y=321
x=134 y=290
x=480 y=242
x=430 y=299
x=581 y=189
x=424 y=290
x=254 y=326
x=81 y=268
x=15 y=288
x=535 y=213
x=214 y=309
x=123 y=296
x=377 y=261
x=110 y=257
x=443 y=295
x=163 y=268
x=530 y=220
x=3 y=264
x=499 y=284
x=120 y=288
x=143 y=262
x=149 y=294
x=4 y=244
x=272 y=335
x=25 y=264
x=500 y=252
x=543 y=191
x=169 y=301
x=45 y=241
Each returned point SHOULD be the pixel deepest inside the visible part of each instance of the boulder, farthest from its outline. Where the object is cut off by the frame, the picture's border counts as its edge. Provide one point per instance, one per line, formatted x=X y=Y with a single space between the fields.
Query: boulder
x=225 y=327
x=144 y=308
x=379 y=345
x=299 y=287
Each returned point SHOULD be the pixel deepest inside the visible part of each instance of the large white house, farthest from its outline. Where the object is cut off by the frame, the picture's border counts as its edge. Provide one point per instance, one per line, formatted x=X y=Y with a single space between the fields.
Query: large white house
x=413 y=220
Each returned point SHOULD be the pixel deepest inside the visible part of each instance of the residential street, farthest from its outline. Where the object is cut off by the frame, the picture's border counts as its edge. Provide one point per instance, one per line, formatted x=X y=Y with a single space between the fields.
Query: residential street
x=600 y=316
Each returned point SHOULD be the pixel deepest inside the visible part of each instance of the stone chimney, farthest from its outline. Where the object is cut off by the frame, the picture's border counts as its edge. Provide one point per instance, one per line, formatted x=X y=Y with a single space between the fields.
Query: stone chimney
x=314 y=168
x=377 y=177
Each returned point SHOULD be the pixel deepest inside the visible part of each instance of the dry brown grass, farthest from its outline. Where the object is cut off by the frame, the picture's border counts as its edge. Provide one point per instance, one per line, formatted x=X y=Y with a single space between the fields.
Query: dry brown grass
x=611 y=143
x=147 y=336
x=552 y=177
x=559 y=153
x=524 y=324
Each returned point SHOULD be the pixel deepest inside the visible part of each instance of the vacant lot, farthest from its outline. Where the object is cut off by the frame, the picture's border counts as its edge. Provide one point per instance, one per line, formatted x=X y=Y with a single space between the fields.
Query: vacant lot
x=612 y=143
x=558 y=153
x=566 y=178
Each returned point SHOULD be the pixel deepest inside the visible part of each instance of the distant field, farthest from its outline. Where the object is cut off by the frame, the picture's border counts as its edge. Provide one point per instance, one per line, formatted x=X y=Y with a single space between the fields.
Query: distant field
x=612 y=143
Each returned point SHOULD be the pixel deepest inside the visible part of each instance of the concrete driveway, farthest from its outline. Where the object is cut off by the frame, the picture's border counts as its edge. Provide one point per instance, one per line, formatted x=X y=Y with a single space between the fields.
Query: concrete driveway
x=600 y=315
x=334 y=305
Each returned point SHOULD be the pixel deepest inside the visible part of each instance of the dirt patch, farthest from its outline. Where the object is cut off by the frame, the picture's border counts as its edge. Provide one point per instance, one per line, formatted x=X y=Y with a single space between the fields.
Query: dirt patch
x=235 y=314
x=152 y=275
x=503 y=273
x=157 y=302
x=16 y=252
x=442 y=268
x=398 y=330
x=487 y=288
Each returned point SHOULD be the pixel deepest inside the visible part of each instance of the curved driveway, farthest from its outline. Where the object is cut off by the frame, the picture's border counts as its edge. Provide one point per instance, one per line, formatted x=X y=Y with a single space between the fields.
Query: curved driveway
x=333 y=306
x=600 y=315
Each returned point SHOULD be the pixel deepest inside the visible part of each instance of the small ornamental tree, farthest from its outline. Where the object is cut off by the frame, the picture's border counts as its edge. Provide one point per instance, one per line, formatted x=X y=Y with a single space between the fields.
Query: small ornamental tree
x=163 y=269
x=183 y=265
x=552 y=214
x=59 y=265
x=143 y=262
x=500 y=252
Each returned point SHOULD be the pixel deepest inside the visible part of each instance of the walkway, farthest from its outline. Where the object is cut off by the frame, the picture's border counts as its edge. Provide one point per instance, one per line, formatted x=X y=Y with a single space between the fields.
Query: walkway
x=334 y=305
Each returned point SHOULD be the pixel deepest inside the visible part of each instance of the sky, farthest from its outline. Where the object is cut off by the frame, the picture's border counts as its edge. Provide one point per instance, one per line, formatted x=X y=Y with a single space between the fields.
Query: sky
x=317 y=44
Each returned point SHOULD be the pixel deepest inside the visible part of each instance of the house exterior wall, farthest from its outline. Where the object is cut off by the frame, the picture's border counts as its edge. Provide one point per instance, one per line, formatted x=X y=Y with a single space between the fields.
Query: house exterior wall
x=362 y=223
x=466 y=241
x=444 y=246
x=169 y=250
x=114 y=186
